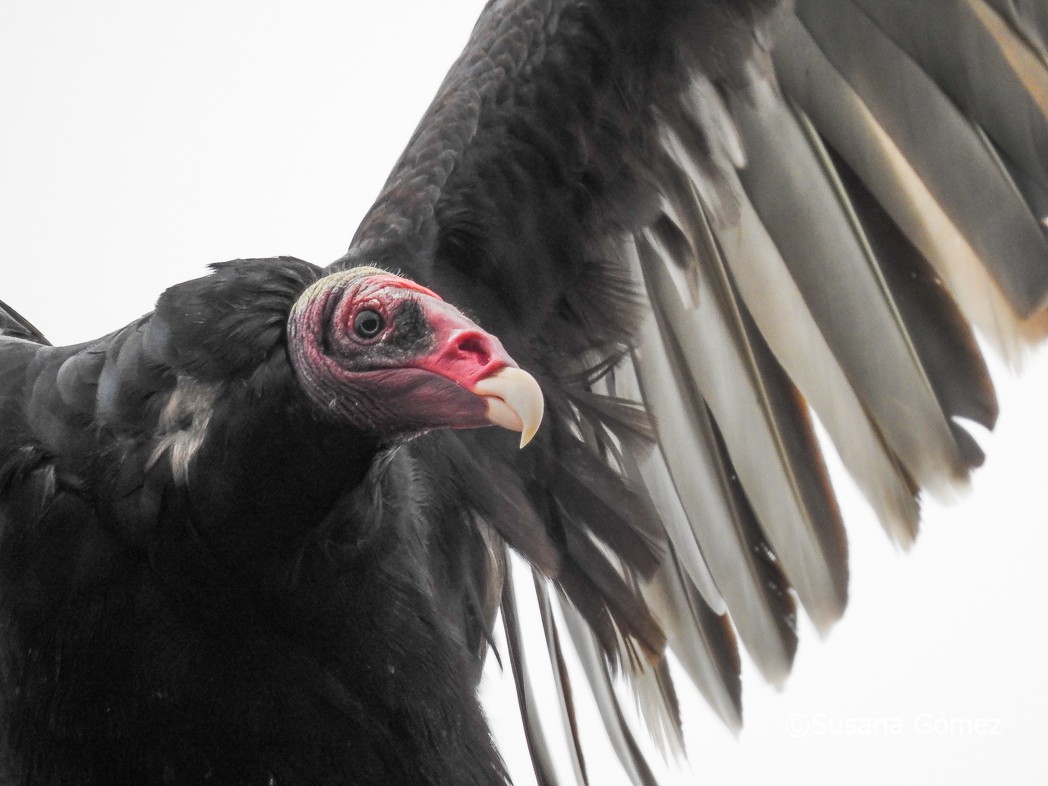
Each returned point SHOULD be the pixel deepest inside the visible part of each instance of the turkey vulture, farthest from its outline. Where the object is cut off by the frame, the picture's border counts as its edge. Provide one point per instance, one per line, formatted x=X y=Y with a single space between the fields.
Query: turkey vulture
x=141 y=189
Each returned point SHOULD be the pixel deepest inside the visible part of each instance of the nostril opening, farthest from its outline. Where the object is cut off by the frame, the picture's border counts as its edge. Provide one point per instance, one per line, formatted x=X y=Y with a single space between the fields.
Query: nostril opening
x=472 y=345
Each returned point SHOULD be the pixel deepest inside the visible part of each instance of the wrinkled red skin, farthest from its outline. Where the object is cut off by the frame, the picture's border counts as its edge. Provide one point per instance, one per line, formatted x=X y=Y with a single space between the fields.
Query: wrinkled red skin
x=417 y=374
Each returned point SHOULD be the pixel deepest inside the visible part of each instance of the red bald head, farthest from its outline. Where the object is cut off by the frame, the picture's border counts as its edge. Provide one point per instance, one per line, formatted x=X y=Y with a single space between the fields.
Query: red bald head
x=393 y=359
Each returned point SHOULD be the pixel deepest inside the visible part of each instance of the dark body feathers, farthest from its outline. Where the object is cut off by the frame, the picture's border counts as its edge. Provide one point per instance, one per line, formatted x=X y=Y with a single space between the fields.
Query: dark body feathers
x=188 y=545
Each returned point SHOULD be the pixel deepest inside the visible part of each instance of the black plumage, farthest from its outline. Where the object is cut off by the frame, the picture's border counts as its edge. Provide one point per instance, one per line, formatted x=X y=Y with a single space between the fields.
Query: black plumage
x=582 y=317
x=150 y=600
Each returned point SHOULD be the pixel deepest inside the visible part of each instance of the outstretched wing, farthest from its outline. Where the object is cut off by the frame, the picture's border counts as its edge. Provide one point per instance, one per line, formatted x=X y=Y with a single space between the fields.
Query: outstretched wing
x=726 y=212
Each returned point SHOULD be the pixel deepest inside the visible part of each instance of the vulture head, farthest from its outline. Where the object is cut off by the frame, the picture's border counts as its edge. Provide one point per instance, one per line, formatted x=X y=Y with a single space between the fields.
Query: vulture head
x=393 y=359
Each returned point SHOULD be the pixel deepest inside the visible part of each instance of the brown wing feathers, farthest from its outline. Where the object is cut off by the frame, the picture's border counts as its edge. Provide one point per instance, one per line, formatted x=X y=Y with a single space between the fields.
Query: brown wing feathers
x=730 y=216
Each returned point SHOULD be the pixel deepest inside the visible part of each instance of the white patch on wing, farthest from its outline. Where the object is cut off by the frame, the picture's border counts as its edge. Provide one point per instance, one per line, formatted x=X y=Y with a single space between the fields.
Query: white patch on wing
x=183 y=423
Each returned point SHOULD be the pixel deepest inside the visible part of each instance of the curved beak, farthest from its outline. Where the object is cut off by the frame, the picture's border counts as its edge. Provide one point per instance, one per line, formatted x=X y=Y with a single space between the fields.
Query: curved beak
x=514 y=401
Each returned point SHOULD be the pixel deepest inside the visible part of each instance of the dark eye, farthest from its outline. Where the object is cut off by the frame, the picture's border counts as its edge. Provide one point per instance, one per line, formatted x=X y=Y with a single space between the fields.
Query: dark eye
x=368 y=323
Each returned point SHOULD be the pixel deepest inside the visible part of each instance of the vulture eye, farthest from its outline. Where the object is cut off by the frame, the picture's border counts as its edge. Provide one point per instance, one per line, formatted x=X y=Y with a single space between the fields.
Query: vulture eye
x=368 y=323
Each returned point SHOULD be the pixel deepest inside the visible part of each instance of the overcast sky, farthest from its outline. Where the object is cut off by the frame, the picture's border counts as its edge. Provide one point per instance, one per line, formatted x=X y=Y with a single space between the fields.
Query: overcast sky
x=141 y=141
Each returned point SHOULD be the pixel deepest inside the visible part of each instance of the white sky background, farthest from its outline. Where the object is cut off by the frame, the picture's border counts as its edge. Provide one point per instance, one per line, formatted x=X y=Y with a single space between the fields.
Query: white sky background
x=141 y=141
